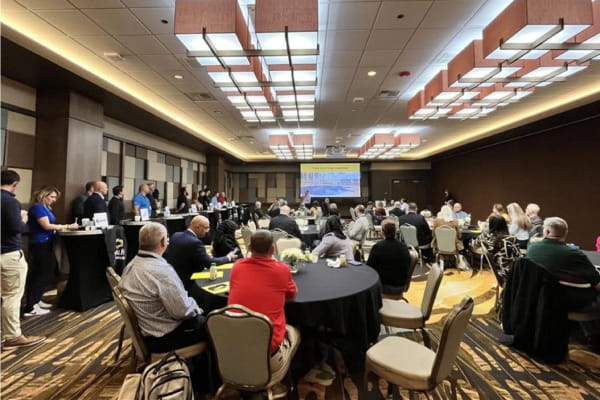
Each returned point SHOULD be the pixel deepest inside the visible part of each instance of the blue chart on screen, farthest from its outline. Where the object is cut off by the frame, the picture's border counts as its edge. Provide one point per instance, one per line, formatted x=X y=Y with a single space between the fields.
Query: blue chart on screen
x=330 y=180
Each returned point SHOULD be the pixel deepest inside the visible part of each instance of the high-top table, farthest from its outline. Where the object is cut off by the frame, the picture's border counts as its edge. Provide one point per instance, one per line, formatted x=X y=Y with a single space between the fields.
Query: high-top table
x=342 y=302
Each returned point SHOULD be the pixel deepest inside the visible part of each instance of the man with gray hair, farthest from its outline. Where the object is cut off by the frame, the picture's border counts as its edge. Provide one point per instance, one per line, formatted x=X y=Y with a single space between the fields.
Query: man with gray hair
x=532 y=212
x=359 y=228
x=168 y=318
x=285 y=223
x=565 y=262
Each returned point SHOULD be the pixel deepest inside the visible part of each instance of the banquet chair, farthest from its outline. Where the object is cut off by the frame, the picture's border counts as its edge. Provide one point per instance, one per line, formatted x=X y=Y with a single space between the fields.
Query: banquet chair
x=246 y=236
x=113 y=281
x=252 y=226
x=371 y=233
x=279 y=234
x=407 y=364
x=141 y=356
x=583 y=315
x=400 y=290
x=403 y=315
x=477 y=247
x=445 y=238
x=287 y=243
x=263 y=223
x=353 y=213
x=241 y=366
x=409 y=235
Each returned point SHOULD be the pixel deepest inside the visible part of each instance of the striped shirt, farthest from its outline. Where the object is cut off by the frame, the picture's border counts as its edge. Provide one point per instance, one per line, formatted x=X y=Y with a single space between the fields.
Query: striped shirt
x=156 y=294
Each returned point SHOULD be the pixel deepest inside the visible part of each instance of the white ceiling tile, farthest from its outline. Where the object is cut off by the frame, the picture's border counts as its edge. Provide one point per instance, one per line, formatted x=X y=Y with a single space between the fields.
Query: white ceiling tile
x=412 y=13
x=343 y=59
x=362 y=74
x=148 y=77
x=162 y=62
x=153 y=19
x=450 y=13
x=149 y=3
x=72 y=22
x=388 y=39
x=11 y=5
x=143 y=44
x=102 y=44
x=432 y=39
x=346 y=40
x=117 y=21
x=378 y=58
x=46 y=4
x=358 y=16
x=172 y=43
x=131 y=63
x=97 y=3
x=338 y=74
x=164 y=89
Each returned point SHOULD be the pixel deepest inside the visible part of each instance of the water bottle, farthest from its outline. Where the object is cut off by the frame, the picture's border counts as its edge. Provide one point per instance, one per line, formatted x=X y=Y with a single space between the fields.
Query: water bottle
x=167 y=212
x=212 y=272
x=342 y=260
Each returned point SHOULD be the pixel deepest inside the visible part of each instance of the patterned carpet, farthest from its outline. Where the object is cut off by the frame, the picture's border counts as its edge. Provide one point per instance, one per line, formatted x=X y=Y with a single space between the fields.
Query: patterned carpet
x=77 y=360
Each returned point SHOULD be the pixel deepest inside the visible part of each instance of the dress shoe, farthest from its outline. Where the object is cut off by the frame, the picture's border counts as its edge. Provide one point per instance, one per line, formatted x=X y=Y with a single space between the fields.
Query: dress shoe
x=24 y=341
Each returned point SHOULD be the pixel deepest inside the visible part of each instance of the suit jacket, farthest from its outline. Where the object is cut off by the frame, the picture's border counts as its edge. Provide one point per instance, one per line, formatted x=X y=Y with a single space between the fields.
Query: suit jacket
x=423 y=231
x=397 y=212
x=187 y=254
x=287 y=224
x=95 y=204
x=116 y=209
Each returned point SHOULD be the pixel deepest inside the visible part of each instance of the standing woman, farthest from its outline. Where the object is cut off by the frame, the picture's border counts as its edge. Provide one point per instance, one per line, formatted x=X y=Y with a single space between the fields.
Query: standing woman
x=520 y=226
x=42 y=270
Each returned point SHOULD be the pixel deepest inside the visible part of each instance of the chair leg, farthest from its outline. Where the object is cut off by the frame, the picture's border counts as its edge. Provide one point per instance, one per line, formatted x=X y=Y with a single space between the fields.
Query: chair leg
x=269 y=394
x=388 y=330
x=453 y=387
x=426 y=339
x=412 y=395
x=120 y=344
x=220 y=391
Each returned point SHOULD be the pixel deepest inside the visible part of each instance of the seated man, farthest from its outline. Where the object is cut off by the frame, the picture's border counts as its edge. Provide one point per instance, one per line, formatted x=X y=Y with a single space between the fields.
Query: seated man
x=359 y=228
x=424 y=235
x=285 y=223
x=187 y=253
x=391 y=260
x=168 y=318
x=532 y=210
x=264 y=284
x=458 y=212
x=566 y=263
x=397 y=211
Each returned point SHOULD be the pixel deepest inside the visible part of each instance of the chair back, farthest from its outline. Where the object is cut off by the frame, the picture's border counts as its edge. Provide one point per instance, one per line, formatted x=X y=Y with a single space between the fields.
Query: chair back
x=252 y=226
x=453 y=332
x=112 y=277
x=264 y=222
x=352 y=213
x=434 y=279
x=287 y=243
x=370 y=220
x=246 y=235
x=409 y=235
x=231 y=329
x=414 y=260
x=445 y=237
x=131 y=325
x=278 y=234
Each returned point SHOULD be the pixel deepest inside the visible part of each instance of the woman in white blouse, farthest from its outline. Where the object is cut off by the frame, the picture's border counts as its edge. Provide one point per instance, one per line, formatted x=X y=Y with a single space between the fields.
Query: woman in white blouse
x=520 y=226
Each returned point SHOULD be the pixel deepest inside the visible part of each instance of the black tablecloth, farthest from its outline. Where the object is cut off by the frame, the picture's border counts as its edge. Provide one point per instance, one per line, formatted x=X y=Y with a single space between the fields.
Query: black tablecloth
x=309 y=235
x=87 y=285
x=594 y=256
x=342 y=302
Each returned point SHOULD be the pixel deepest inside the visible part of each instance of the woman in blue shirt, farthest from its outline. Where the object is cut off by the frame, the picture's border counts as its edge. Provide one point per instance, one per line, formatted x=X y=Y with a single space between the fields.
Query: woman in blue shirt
x=43 y=266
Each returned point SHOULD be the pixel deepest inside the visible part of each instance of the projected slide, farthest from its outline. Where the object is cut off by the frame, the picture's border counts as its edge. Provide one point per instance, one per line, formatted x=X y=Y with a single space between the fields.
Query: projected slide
x=330 y=180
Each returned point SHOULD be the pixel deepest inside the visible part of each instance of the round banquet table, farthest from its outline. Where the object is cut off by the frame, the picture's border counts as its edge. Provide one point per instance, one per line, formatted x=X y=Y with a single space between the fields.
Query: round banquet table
x=343 y=302
x=310 y=233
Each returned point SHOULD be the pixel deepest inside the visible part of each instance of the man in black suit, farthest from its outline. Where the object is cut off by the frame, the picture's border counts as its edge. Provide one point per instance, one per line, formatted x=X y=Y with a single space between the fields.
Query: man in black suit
x=115 y=206
x=77 y=205
x=96 y=203
x=187 y=254
x=285 y=223
x=397 y=211
x=423 y=230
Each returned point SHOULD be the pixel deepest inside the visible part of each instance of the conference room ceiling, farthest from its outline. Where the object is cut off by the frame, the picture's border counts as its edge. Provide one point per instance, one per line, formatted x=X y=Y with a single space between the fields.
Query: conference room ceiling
x=355 y=37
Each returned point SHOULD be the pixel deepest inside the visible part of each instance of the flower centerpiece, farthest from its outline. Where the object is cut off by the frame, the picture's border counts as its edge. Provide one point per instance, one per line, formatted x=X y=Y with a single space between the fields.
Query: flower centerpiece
x=293 y=258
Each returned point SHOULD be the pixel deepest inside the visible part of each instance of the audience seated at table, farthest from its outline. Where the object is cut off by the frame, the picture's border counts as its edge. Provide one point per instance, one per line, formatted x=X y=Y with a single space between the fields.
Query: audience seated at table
x=424 y=235
x=519 y=224
x=96 y=203
x=537 y=224
x=379 y=212
x=187 y=253
x=196 y=201
x=285 y=223
x=499 y=244
x=445 y=218
x=334 y=242
x=168 y=318
x=315 y=210
x=359 y=228
x=302 y=211
x=264 y=284
x=224 y=241
x=116 y=208
x=205 y=196
x=253 y=213
x=221 y=198
x=396 y=210
x=498 y=209
x=391 y=259
x=458 y=212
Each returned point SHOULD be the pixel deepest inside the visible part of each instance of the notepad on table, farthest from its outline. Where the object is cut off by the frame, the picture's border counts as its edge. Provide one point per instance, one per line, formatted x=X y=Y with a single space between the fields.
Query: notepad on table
x=217 y=288
x=205 y=275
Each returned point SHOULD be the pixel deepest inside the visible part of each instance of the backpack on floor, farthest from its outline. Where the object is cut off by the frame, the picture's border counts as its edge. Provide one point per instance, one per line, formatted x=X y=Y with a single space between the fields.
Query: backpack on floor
x=166 y=379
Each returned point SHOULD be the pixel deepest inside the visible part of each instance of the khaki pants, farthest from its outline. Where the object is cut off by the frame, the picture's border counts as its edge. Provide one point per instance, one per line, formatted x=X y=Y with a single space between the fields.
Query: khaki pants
x=13 y=272
x=282 y=357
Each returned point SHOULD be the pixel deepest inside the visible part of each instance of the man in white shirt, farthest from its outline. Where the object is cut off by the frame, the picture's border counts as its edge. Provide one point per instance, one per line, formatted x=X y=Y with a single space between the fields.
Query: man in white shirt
x=168 y=318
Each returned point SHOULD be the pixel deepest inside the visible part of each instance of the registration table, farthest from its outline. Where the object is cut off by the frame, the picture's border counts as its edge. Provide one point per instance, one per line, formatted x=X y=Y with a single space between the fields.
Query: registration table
x=88 y=255
x=344 y=302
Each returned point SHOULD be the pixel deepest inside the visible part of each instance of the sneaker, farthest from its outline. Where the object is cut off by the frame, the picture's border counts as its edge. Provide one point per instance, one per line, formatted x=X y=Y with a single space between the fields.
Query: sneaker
x=24 y=341
x=321 y=375
x=44 y=305
x=36 y=312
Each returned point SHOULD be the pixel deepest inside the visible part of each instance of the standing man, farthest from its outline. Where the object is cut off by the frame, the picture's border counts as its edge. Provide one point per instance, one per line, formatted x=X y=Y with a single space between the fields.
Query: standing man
x=305 y=198
x=187 y=253
x=153 y=200
x=96 y=203
x=264 y=284
x=13 y=265
x=140 y=201
x=77 y=205
x=115 y=206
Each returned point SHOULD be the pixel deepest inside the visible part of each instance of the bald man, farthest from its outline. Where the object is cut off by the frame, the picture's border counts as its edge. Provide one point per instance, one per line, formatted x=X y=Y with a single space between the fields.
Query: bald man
x=96 y=203
x=140 y=200
x=187 y=254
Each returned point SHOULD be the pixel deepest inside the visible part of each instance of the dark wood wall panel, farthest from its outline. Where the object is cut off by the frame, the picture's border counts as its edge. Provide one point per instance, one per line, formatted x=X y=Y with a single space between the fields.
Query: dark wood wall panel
x=414 y=185
x=19 y=150
x=557 y=169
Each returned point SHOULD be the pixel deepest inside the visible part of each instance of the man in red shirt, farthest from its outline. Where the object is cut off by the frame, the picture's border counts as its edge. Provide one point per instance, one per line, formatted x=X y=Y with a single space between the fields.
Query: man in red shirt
x=264 y=284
